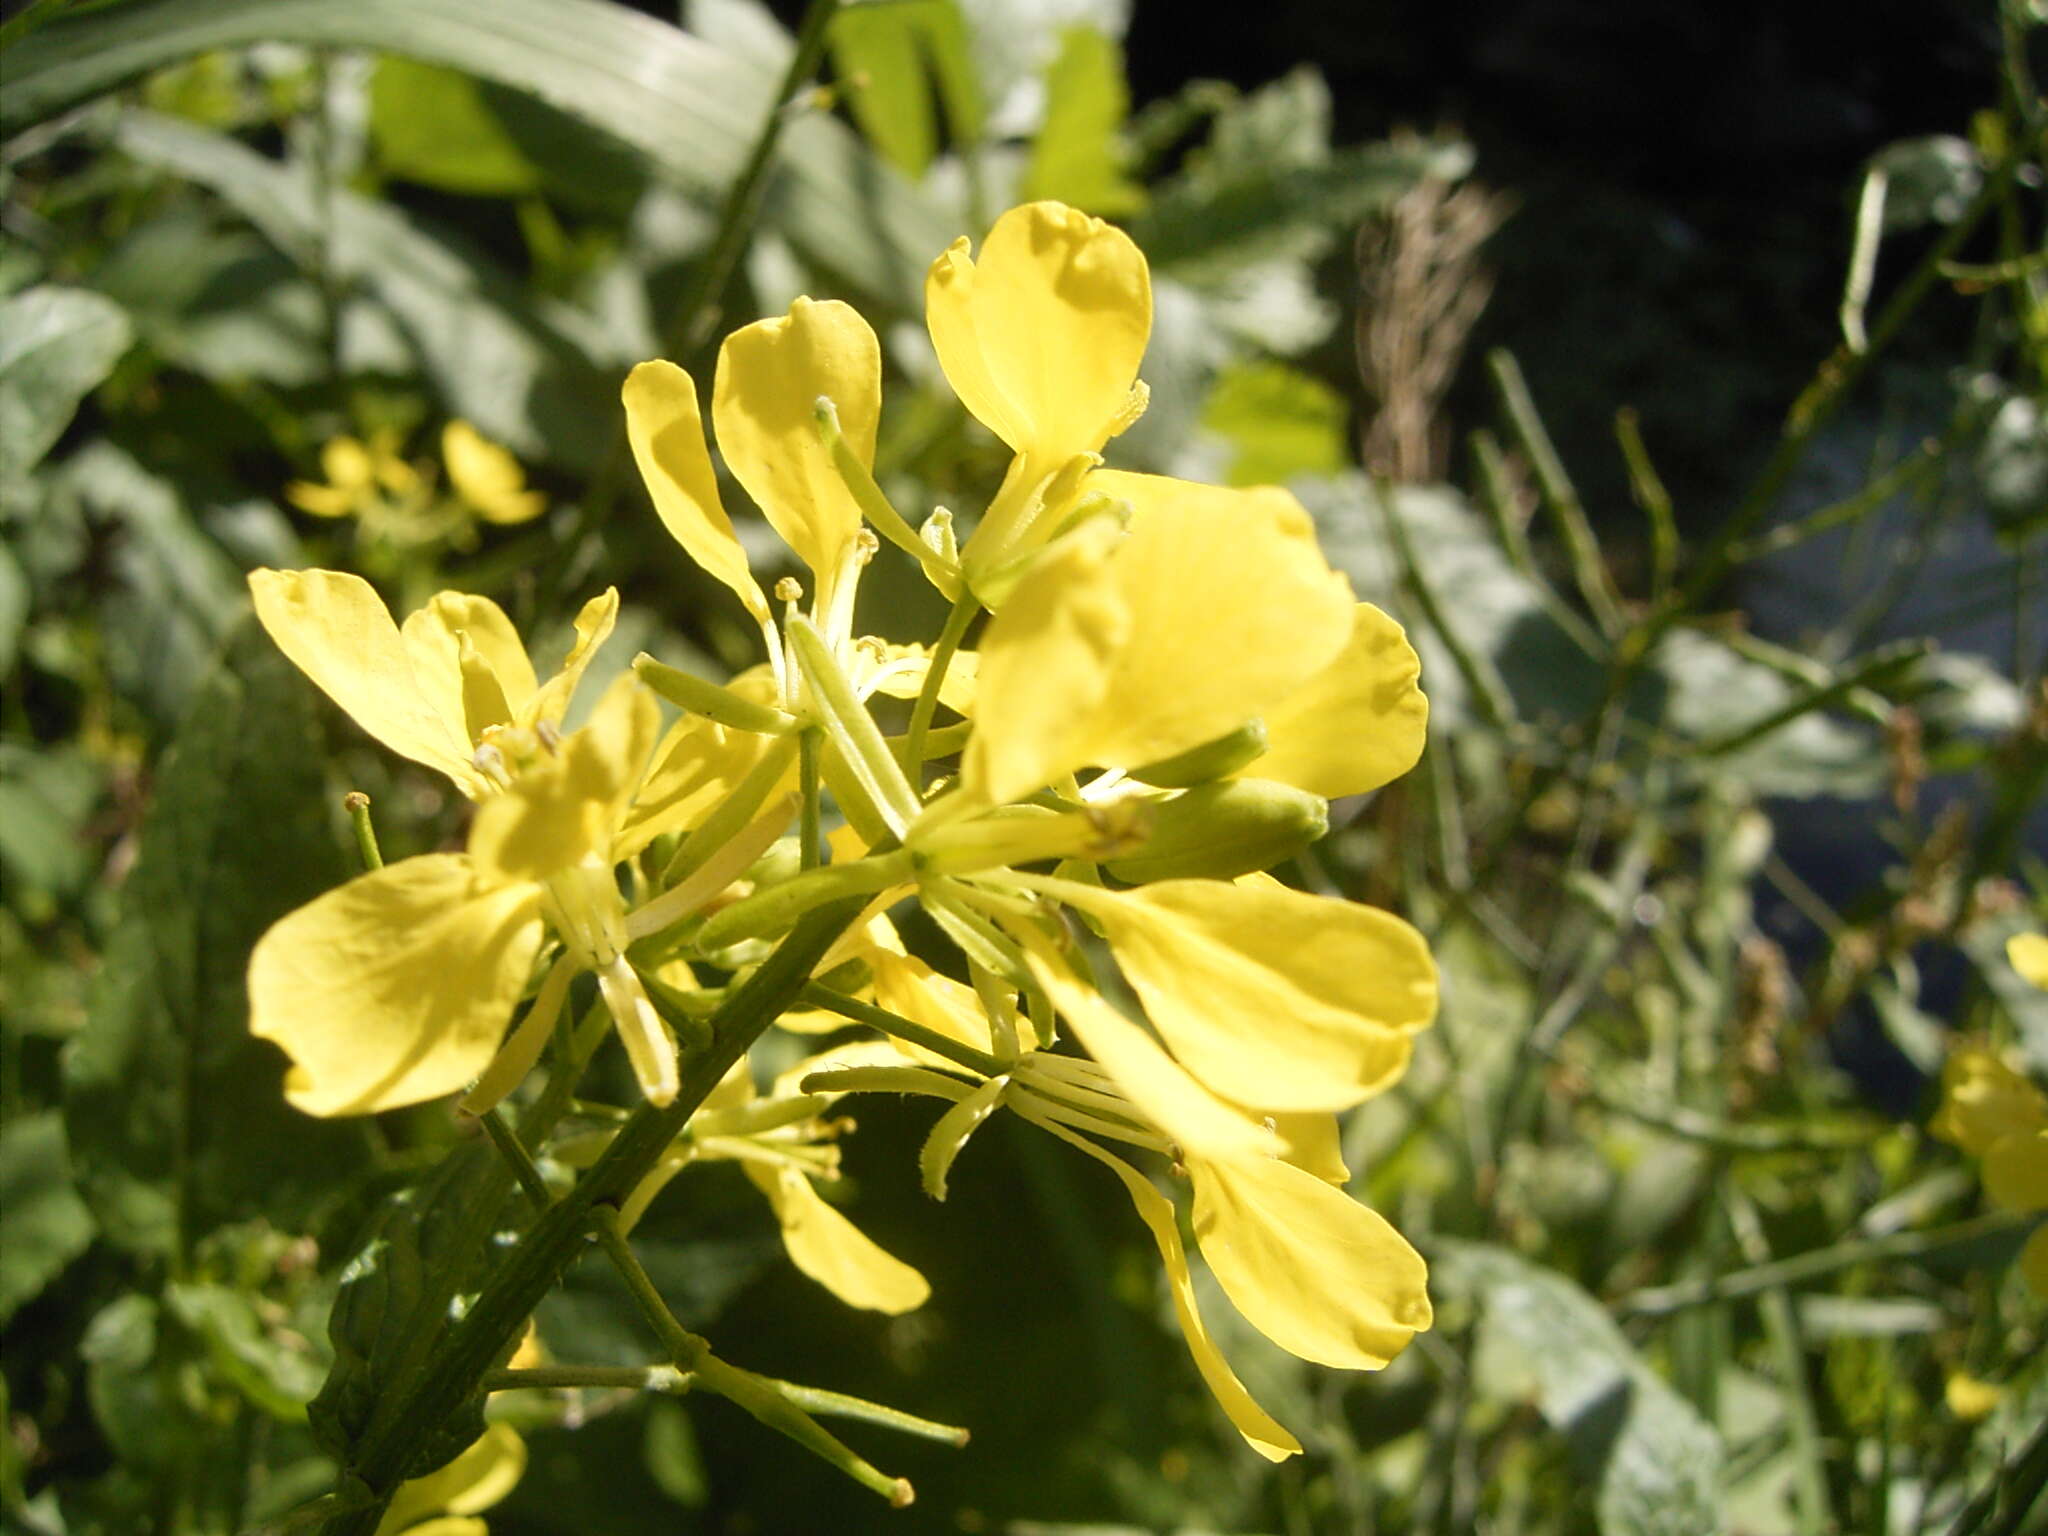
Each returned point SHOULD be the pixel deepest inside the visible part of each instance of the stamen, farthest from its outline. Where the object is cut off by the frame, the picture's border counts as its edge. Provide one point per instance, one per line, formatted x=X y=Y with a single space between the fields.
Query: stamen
x=650 y=1046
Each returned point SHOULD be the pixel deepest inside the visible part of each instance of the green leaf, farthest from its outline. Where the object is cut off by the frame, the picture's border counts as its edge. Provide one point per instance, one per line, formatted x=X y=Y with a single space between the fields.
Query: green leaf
x=43 y=1223
x=522 y=370
x=273 y=1370
x=56 y=344
x=1078 y=156
x=176 y=1113
x=399 y=1296
x=46 y=796
x=691 y=109
x=1280 y=421
x=1657 y=1462
x=431 y=125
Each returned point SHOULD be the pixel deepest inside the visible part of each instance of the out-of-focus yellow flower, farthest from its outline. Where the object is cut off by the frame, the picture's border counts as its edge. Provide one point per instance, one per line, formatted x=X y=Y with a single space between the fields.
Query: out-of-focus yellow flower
x=2000 y=1118
x=486 y=478
x=441 y=689
x=1970 y=1399
x=2028 y=953
x=359 y=476
x=397 y=986
x=446 y=1503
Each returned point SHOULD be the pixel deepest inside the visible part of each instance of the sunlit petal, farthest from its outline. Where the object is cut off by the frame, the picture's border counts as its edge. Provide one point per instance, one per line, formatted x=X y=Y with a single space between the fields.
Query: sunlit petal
x=395 y=987
x=667 y=435
x=1359 y=723
x=833 y=1251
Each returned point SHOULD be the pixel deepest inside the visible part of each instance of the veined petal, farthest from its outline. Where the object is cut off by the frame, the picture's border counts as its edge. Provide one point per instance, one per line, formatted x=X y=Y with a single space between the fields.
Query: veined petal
x=550 y=702
x=1319 y=1274
x=1258 y=1427
x=1279 y=1000
x=1119 y=651
x=1190 y=1115
x=338 y=632
x=395 y=987
x=453 y=622
x=764 y=405
x=1359 y=723
x=833 y=1251
x=667 y=434
x=1983 y=1101
x=1041 y=339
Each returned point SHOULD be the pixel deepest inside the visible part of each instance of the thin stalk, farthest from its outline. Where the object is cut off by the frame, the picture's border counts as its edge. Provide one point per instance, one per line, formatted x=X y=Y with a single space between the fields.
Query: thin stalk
x=518 y=1159
x=1589 y=571
x=1662 y=1300
x=897 y=1027
x=357 y=804
x=810 y=846
x=965 y=607
x=1781 y=1327
x=632 y=1378
x=1884 y=662
x=1652 y=497
x=1488 y=692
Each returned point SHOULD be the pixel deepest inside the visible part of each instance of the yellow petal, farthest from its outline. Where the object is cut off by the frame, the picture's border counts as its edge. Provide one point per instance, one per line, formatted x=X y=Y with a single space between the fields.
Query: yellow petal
x=1319 y=1274
x=474 y=1480
x=764 y=405
x=1041 y=339
x=1257 y=1426
x=594 y=622
x=1984 y=1101
x=833 y=1251
x=395 y=987
x=455 y=623
x=337 y=631
x=1314 y=1143
x=667 y=434
x=700 y=762
x=2016 y=1172
x=1279 y=1000
x=1196 y=1120
x=321 y=500
x=565 y=806
x=2028 y=953
x=487 y=477
x=1119 y=651
x=1359 y=723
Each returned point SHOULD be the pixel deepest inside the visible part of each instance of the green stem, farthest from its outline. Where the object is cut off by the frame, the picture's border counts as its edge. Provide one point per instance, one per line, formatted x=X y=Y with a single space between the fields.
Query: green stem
x=1660 y=1301
x=1489 y=693
x=895 y=1025
x=456 y=1366
x=357 y=804
x=965 y=607
x=810 y=833
x=633 y=1378
x=1882 y=664
x=518 y=1159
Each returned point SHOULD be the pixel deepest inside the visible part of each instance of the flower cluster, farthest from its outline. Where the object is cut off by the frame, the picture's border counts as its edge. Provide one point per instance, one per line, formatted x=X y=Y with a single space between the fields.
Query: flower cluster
x=1168 y=686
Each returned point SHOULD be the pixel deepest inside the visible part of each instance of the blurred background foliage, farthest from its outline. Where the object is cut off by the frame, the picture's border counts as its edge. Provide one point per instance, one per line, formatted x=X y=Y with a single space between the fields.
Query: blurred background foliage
x=1675 y=373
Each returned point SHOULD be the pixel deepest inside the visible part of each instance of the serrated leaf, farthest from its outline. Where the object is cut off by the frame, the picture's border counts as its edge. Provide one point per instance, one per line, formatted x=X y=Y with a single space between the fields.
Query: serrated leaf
x=56 y=345
x=1078 y=156
x=176 y=1114
x=1657 y=1462
x=43 y=1223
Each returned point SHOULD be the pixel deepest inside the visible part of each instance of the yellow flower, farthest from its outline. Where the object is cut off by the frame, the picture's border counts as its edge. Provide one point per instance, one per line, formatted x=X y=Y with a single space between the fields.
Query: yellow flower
x=1041 y=340
x=1126 y=645
x=439 y=690
x=445 y=1503
x=764 y=398
x=2028 y=953
x=486 y=477
x=1970 y=1399
x=1997 y=1116
x=359 y=476
x=397 y=986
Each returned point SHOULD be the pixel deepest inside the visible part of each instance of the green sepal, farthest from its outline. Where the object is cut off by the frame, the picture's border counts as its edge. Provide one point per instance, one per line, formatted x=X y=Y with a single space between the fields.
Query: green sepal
x=1212 y=760
x=702 y=697
x=1221 y=831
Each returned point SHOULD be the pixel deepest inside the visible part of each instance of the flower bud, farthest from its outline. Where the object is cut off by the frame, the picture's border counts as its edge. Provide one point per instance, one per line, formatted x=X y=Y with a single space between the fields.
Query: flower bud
x=1214 y=759
x=1222 y=830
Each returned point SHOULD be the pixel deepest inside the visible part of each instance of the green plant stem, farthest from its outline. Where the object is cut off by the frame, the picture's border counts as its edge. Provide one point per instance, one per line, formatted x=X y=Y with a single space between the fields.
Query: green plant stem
x=1652 y=497
x=26 y=20
x=518 y=1159
x=1488 y=692
x=1880 y=665
x=1662 y=1300
x=455 y=1369
x=895 y=1025
x=357 y=804
x=633 y=1378
x=810 y=832
x=1559 y=494
x=965 y=607
x=1781 y=1327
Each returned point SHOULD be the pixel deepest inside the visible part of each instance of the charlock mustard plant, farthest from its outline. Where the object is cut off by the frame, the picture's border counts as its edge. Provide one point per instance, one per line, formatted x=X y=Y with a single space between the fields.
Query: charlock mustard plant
x=1169 y=686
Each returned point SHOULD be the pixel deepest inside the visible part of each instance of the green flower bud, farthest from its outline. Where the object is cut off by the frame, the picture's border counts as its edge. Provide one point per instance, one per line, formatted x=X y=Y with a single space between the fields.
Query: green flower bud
x=1212 y=760
x=1223 y=830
